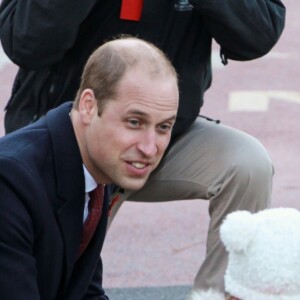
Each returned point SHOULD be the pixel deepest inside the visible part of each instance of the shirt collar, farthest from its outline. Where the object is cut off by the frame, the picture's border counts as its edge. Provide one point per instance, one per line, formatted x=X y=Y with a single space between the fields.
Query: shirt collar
x=90 y=183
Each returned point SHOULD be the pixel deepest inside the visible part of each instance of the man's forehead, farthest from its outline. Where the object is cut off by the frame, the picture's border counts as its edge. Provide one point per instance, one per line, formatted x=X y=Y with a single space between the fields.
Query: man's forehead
x=146 y=96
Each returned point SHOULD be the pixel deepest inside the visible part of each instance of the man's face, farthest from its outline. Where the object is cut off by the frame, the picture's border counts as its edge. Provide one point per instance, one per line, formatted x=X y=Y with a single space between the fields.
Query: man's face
x=127 y=141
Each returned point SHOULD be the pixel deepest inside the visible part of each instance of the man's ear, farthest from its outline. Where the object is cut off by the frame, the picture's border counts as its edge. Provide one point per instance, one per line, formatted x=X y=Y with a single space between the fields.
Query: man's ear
x=87 y=106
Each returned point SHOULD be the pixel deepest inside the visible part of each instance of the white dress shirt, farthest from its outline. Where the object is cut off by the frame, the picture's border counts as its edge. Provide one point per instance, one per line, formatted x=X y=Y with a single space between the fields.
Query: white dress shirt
x=90 y=184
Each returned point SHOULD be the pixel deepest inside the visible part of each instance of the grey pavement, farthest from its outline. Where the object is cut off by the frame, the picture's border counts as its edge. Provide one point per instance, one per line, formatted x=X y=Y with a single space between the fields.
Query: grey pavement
x=143 y=293
x=153 y=251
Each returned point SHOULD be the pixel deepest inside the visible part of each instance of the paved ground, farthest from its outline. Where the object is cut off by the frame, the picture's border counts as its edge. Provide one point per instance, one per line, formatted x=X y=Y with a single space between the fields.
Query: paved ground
x=149 y=293
x=144 y=260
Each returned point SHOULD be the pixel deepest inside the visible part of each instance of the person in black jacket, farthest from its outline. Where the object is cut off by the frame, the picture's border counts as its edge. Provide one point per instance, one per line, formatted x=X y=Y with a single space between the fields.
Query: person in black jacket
x=51 y=40
x=49 y=168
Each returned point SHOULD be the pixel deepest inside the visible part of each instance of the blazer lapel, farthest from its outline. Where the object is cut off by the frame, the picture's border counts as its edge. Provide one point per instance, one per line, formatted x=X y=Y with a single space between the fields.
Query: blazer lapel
x=70 y=182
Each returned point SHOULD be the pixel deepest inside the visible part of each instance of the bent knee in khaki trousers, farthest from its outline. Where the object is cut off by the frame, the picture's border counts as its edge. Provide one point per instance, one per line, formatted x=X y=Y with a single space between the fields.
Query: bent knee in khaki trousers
x=212 y=162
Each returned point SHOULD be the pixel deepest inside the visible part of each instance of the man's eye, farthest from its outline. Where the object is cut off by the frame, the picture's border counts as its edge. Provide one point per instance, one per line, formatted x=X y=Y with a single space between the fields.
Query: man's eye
x=134 y=123
x=165 y=127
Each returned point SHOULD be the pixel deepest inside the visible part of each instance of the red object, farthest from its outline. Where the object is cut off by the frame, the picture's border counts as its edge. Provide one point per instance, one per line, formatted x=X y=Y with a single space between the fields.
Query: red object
x=131 y=10
x=95 y=211
x=114 y=200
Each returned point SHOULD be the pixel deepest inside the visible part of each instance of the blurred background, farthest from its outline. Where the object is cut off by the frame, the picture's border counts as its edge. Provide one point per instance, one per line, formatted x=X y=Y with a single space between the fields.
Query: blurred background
x=261 y=97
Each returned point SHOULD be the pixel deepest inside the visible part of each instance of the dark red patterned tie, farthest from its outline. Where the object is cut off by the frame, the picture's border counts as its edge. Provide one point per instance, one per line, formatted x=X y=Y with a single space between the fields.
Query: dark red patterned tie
x=90 y=224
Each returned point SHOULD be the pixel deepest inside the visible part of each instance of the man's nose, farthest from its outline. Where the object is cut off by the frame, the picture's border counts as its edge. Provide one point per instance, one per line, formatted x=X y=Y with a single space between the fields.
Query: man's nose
x=148 y=143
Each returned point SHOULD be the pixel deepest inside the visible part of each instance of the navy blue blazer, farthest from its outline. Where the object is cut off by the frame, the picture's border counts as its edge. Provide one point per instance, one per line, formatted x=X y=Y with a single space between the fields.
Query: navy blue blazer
x=42 y=194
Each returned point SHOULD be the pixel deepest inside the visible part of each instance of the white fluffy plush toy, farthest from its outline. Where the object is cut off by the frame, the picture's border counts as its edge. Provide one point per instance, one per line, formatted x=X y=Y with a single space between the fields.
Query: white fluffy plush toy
x=264 y=254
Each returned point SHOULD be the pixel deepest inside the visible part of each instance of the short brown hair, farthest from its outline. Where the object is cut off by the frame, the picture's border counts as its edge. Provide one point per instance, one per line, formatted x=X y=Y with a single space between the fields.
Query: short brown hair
x=107 y=65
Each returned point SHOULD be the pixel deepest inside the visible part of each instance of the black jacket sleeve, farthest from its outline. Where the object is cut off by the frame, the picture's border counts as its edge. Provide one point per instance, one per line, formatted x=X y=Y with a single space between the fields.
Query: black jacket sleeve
x=245 y=29
x=31 y=28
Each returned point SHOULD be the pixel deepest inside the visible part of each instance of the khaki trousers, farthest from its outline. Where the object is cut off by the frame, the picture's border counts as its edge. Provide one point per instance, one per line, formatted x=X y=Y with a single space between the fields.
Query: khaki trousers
x=213 y=162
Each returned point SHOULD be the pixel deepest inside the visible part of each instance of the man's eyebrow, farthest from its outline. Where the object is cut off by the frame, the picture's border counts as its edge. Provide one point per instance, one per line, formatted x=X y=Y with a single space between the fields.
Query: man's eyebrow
x=172 y=118
x=145 y=115
x=137 y=112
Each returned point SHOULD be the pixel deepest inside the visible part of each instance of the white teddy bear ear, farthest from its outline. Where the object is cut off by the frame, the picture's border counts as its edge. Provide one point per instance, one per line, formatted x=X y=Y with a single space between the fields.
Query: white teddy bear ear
x=238 y=230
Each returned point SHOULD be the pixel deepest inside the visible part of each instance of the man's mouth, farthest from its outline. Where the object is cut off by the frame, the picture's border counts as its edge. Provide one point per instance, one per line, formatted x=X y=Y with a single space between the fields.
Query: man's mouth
x=139 y=165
